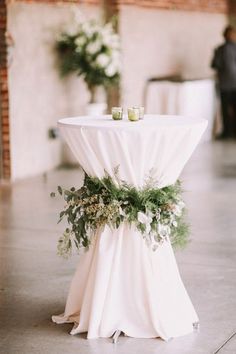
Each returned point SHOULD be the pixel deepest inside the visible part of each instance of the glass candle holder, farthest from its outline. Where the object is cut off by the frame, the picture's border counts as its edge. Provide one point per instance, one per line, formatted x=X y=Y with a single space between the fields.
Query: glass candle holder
x=117 y=113
x=133 y=114
x=141 y=111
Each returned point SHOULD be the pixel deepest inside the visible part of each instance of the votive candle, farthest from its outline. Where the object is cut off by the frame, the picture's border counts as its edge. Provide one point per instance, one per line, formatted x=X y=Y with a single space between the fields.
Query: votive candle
x=133 y=114
x=141 y=111
x=117 y=113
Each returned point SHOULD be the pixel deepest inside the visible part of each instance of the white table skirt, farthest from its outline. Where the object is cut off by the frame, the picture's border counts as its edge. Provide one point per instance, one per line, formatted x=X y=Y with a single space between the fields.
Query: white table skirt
x=196 y=98
x=120 y=284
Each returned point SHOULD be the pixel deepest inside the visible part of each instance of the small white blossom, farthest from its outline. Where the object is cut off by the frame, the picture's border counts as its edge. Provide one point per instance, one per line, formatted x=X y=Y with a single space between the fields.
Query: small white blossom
x=98 y=46
x=93 y=47
x=109 y=38
x=177 y=210
x=121 y=211
x=145 y=219
x=80 y=41
x=181 y=204
x=174 y=223
x=163 y=230
x=102 y=60
x=89 y=28
x=158 y=215
x=111 y=70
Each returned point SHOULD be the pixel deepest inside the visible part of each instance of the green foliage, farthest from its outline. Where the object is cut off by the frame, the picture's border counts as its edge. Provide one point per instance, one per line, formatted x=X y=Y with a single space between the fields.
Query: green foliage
x=92 y=52
x=158 y=213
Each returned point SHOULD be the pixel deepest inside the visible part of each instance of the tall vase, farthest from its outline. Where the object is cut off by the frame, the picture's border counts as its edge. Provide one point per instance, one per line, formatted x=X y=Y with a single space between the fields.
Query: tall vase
x=97 y=105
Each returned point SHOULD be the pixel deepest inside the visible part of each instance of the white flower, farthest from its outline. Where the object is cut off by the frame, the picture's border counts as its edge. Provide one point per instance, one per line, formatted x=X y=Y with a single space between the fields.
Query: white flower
x=181 y=204
x=89 y=29
x=99 y=46
x=145 y=219
x=111 y=70
x=158 y=215
x=177 y=210
x=163 y=230
x=121 y=211
x=81 y=211
x=110 y=39
x=80 y=41
x=102 y=60
x=174 y=223
x=93 y=47
x=142 y=217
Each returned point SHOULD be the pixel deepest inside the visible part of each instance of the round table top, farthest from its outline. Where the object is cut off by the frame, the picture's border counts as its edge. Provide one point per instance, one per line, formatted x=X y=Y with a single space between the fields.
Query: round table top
x=150 y=121
x=161 y=144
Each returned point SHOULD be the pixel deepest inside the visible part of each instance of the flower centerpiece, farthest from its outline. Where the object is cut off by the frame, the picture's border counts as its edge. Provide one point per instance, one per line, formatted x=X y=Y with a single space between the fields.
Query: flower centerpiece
x=92 y=52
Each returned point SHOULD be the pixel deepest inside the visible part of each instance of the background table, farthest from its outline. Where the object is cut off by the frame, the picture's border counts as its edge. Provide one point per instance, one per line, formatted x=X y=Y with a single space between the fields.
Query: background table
x=120 y=283
x=187 y=97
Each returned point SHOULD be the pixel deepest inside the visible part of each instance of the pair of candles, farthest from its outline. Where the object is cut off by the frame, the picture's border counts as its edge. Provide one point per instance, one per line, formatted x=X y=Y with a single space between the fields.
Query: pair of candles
x=134 y=113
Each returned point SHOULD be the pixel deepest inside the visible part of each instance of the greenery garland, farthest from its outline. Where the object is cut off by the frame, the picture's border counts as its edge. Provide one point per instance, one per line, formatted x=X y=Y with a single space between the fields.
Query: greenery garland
x=158 y=213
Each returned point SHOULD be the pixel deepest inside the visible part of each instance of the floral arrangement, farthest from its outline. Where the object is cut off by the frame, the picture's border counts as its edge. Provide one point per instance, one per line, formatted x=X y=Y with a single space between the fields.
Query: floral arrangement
x=93 y=52
x=158 y=213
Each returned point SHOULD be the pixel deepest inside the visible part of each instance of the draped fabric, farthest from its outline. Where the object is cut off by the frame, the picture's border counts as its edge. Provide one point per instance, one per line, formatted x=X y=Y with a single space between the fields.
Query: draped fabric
x=194 y=98
x=121 y=284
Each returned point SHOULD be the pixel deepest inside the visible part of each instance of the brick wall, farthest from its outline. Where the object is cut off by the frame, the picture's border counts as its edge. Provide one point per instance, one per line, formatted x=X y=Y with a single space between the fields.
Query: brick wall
x=232 y=7
x=4 y=101
x=217 y=6
x=92 y=2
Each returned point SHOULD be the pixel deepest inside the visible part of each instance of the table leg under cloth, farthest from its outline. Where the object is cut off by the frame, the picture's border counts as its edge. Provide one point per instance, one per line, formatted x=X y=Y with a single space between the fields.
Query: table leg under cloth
x=121 y=284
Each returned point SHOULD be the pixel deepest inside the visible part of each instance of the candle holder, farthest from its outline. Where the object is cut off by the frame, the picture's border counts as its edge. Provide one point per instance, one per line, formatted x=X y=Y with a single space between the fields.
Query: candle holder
x=117 y=113
x=133 y=114
x=141 y=111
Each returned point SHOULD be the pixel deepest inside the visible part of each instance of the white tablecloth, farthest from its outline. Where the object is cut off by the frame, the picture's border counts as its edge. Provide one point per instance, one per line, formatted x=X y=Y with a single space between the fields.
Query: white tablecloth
x=120 y=284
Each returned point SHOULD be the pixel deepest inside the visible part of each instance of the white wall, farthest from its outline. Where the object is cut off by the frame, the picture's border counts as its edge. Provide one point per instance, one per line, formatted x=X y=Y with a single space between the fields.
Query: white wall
x=163 y=42
x=38 y=97
x=154 y=42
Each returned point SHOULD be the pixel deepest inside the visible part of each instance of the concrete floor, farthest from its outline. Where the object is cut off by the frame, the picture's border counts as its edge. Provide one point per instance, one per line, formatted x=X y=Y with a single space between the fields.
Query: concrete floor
x=34 y=280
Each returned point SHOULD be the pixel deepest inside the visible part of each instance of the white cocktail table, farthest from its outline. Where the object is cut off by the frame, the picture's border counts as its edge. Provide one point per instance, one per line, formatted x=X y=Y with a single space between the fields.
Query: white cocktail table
x=120 y=283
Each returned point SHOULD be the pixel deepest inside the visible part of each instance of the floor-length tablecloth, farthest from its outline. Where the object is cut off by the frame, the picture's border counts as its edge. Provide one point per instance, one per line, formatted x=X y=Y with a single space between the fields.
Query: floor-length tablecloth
x=196 y=98
x=120 y=283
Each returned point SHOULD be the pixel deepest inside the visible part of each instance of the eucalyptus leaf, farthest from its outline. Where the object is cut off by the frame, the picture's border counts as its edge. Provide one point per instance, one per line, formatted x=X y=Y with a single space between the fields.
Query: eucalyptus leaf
x=59 y=190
